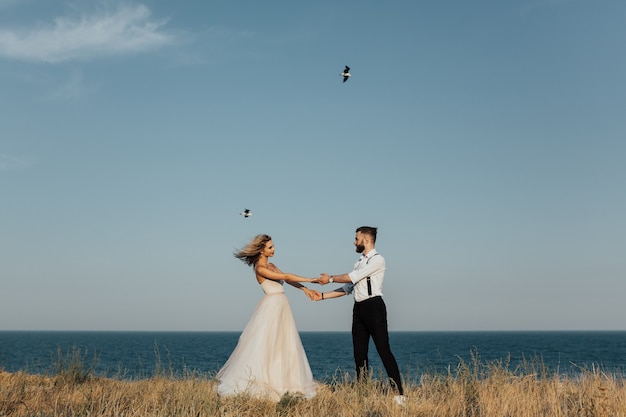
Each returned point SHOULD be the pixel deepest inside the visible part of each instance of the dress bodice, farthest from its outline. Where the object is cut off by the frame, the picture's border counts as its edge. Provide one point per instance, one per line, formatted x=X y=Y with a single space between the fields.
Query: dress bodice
x=272 y=287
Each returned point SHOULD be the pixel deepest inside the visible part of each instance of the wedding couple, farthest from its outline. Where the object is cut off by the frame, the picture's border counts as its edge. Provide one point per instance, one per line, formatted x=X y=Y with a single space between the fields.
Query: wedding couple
x=269 y=359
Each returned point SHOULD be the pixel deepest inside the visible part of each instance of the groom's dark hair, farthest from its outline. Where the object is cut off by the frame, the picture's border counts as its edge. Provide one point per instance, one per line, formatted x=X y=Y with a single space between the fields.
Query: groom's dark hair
x=368 y=230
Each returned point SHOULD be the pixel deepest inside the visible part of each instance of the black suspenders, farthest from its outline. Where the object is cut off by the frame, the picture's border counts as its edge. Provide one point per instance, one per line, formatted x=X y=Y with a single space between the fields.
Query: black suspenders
x=369 y=281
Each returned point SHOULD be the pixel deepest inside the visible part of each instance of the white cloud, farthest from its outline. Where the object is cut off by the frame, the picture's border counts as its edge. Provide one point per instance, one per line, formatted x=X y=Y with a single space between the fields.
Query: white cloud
x=127 y=29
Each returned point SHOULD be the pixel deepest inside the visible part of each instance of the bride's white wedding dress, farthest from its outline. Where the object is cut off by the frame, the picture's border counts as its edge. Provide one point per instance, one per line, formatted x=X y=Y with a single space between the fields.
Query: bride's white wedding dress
x=269 y=359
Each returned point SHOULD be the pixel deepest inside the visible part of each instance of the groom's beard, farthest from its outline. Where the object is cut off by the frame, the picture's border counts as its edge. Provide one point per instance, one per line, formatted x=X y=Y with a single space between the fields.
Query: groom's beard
x=360 y=248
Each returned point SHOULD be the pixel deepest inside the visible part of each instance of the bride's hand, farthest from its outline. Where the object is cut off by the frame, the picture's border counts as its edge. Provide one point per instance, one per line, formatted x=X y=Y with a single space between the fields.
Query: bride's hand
x=313 y=294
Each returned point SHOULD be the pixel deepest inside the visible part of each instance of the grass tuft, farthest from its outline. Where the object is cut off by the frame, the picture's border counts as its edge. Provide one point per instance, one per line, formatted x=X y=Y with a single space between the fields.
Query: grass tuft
x=73 y=368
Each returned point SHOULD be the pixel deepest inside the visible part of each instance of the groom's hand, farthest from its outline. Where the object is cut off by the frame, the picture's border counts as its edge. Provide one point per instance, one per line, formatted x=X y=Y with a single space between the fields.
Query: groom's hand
x=323 y=279
x=314 y=295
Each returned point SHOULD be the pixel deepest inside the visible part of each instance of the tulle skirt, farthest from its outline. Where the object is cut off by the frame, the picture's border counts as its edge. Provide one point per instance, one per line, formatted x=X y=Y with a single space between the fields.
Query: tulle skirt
x=269 y=359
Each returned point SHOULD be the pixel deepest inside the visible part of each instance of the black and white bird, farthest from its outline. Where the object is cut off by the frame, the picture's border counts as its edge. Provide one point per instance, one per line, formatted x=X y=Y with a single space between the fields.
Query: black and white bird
x=346 y=73
x=246 y=213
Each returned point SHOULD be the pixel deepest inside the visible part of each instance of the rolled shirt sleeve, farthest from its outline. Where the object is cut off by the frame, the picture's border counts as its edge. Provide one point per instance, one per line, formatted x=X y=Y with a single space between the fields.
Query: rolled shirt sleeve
x=375 y=266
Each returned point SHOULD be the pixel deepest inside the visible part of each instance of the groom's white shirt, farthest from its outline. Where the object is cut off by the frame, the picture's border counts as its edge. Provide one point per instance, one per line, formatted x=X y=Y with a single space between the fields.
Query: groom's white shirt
x=370 y=265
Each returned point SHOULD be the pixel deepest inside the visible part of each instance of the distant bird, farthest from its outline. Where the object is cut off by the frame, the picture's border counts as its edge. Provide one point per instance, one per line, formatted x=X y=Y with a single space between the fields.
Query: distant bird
x=246 y=213
x=346 y=73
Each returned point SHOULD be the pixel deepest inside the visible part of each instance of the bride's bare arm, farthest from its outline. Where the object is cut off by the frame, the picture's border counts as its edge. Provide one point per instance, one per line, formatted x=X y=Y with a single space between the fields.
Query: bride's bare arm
x=276 y=275
x=314 y=295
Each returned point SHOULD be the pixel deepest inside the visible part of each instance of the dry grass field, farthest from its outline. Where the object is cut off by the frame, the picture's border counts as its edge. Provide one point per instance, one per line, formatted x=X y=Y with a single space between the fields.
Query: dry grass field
x=469 y=390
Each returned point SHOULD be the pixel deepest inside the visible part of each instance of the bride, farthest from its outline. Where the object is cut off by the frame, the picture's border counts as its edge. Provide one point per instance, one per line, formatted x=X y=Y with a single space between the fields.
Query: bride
x=269 y=359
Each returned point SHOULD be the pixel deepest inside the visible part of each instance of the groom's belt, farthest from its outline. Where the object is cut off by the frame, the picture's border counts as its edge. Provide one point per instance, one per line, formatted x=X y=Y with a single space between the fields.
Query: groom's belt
x=368 y=299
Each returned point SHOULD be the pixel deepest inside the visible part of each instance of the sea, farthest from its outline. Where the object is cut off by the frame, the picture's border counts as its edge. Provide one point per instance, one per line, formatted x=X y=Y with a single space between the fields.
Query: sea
x=140 y=355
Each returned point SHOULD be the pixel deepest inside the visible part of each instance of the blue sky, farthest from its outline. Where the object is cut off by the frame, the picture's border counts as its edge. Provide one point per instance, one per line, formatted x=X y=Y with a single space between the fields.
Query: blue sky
x=485 y=139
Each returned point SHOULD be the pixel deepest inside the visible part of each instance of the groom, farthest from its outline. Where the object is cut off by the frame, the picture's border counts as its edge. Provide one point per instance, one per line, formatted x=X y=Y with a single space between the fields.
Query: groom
x=369 y=315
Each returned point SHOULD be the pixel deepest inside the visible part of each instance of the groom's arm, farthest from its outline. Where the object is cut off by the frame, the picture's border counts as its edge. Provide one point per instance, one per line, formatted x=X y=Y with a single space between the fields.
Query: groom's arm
x=339 y=292
x=325 y=279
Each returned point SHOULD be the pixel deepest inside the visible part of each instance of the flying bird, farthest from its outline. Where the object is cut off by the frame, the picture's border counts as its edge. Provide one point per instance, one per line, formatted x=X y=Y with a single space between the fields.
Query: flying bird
x=246 y=213
x=346 y=73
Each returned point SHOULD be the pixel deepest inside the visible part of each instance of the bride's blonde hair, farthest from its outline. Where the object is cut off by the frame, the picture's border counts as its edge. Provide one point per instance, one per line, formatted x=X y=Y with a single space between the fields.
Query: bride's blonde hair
x=252 y=251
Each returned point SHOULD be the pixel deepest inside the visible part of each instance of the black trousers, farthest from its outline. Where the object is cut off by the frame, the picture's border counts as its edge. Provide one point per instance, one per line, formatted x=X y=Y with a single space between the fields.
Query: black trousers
x=369 y=319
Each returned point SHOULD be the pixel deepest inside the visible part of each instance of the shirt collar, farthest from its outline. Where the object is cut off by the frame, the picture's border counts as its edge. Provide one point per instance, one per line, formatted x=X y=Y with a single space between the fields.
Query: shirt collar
x=369 y=254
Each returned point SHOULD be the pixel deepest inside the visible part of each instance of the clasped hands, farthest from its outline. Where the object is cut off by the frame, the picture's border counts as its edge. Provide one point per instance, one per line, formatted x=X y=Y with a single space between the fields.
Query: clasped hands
x=315 y=295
